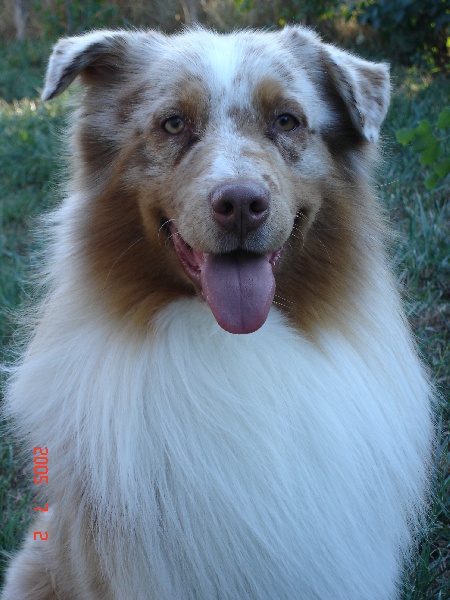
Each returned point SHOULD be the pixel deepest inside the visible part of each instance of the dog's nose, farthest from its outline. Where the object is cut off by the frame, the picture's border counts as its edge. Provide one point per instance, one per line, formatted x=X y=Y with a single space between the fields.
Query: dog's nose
x=240 y=207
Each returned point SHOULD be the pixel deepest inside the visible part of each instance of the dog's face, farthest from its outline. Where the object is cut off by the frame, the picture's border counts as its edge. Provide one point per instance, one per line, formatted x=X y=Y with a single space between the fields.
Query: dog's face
x=210 y=157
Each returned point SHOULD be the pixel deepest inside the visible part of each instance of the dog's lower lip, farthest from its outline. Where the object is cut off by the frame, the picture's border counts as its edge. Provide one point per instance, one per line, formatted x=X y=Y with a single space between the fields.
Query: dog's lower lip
x=189 y=258
x=192 y=260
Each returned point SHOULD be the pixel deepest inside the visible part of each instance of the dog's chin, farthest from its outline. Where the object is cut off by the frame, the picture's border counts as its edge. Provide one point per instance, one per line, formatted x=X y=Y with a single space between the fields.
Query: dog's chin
x=238 y=286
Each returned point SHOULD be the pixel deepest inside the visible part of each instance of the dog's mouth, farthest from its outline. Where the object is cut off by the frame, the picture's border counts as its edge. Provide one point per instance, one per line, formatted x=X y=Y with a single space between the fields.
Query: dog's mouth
x=238 y=286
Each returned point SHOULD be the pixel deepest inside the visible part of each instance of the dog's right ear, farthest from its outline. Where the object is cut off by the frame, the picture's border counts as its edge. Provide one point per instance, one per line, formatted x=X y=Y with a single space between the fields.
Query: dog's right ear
x=99 y=54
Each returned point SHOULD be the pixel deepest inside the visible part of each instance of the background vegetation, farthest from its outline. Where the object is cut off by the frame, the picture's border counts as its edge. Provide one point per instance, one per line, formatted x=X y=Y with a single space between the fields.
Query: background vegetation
x=413 y=183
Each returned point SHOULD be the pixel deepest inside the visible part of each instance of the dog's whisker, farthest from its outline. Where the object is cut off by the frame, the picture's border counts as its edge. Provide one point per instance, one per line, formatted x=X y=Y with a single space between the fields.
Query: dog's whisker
x=165 y=224
x=300 y=237
x=120 y=257
x=324 y=247
x=280 y=304
x=285 y=300
x=167 y=237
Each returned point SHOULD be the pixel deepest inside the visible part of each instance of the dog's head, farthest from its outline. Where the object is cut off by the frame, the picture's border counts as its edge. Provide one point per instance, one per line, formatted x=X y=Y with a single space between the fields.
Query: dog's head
x=209 y=159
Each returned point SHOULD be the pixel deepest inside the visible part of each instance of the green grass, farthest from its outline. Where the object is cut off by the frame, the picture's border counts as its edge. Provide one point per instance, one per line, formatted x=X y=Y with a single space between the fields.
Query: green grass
x=28 y=163
x=422 y=261
x=23 y=65
x=28 y=166
x=29 y=169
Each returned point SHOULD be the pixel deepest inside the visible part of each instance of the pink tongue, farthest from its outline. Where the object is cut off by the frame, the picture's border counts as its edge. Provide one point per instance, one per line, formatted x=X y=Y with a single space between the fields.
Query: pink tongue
x=239 y=289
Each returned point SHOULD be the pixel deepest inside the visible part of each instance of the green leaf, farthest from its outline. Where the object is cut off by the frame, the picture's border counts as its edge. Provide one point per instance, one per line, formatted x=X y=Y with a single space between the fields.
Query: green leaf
x=404 y=136
x=442 y=168
x=424 y=141
x=422 y=131
x=444 y=118
x=431 y=181
x=424 y=126
x=430 y=154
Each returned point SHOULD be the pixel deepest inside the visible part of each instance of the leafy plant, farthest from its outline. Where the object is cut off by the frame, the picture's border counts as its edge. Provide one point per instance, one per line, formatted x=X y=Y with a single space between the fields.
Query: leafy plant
x=280 y=12
x=431 y=145
x=417 y=29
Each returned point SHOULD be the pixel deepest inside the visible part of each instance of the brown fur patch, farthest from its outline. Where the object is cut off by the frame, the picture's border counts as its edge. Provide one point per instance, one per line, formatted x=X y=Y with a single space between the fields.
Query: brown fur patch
x=129 y=101
x=134 y=269
x=319 y=280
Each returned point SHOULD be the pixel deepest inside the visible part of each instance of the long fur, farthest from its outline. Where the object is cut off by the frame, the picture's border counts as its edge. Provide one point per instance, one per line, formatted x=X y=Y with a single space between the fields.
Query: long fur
x=189 y=463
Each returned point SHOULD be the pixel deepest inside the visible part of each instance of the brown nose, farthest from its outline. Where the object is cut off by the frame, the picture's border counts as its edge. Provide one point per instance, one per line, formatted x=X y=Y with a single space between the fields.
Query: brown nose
x=240 y=207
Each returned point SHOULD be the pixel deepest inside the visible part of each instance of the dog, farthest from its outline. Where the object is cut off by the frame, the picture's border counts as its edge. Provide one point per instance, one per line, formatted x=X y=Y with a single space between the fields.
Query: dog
x=220 y=397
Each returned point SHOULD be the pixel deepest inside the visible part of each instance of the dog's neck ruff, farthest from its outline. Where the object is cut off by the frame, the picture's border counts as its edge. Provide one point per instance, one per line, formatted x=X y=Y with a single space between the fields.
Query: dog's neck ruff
x=223 y=442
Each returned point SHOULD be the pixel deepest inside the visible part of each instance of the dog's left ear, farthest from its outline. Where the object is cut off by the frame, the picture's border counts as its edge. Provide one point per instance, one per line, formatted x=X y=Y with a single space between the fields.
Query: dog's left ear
x=363 y=86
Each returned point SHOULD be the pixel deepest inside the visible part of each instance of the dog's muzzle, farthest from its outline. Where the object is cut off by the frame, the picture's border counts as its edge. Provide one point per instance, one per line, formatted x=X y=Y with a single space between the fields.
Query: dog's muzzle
x=238 y=286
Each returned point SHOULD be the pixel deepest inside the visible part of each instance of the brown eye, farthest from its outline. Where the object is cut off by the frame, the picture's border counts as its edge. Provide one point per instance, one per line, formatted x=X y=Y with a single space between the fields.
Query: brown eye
x=286 y=123
x=174 y=125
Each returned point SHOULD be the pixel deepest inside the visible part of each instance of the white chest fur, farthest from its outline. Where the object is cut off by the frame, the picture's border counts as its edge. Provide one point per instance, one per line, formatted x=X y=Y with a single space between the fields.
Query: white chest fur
x=228 y=467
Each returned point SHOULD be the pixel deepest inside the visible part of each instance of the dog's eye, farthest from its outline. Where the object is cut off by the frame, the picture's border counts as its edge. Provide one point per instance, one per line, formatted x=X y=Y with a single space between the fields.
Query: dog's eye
x=286 y=123
x=174 y=125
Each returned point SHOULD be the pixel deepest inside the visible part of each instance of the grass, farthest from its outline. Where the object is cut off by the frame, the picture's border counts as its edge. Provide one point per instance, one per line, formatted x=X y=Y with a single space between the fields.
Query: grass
x=422 y=261
x=29 y=167
x=23 y=65
x=28 y=162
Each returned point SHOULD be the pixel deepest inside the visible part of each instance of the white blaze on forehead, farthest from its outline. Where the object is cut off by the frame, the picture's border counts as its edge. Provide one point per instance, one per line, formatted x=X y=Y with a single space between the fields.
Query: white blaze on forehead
x=208 y=56
x=223 y=57
x=220 y=67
